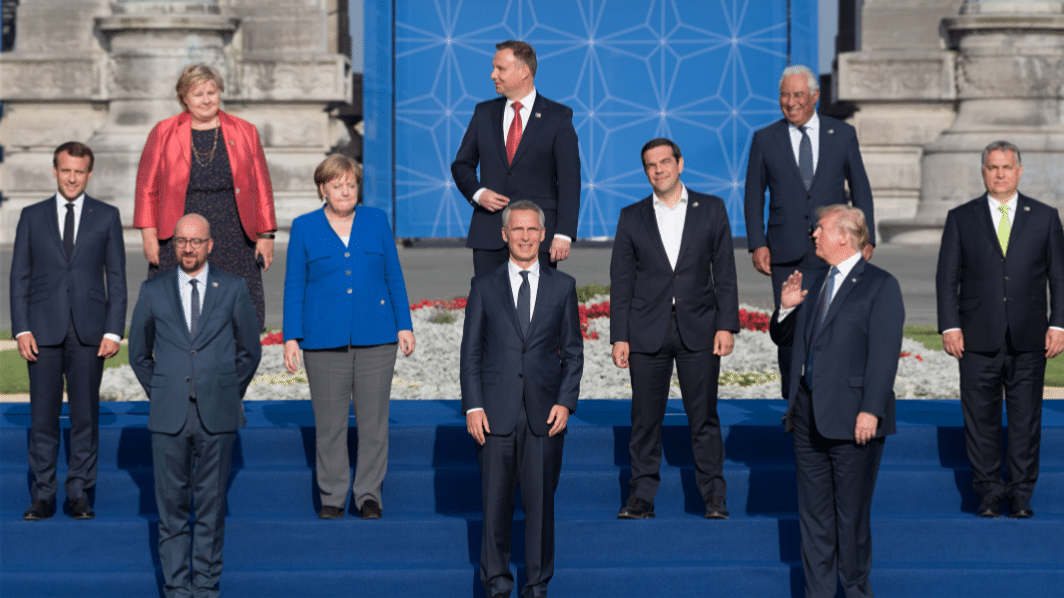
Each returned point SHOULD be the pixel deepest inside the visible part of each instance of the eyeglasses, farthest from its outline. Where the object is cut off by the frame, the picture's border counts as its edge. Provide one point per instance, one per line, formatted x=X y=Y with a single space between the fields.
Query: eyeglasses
x=195 y=243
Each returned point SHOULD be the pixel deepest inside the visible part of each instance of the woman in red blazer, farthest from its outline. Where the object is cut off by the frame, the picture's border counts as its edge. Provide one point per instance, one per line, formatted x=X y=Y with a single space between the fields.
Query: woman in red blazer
x=183 y=170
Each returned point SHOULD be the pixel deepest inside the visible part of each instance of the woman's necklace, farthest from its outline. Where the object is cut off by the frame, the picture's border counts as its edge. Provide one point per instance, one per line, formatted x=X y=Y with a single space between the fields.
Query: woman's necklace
x=205 y=158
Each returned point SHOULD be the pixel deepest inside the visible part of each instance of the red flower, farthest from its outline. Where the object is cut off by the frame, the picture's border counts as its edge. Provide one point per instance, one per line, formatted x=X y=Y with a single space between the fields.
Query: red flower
x=273 y=338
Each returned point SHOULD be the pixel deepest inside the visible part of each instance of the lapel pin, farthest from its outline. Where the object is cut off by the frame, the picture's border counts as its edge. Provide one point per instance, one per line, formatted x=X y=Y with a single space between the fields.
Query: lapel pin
x=694 y=205
x=214 y=284
x=831 y=131
x=853 y=280
x=539 y=115
x=1026 y=208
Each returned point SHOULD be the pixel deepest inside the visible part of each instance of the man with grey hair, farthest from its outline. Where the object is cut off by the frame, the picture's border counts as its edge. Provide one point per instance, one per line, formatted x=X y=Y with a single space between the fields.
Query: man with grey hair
x=1000 y=253
x=521 y=359
x=804 y=161
x=846 y=342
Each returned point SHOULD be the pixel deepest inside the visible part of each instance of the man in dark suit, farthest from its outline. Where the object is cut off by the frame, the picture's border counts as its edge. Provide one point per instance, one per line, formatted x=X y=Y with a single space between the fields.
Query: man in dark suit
x=522 y=357
x=525 y=144
x=194 y=346
x=804 y=161
x=999 y=254
x=846 y=338
x=673 y=298
x=68 y=312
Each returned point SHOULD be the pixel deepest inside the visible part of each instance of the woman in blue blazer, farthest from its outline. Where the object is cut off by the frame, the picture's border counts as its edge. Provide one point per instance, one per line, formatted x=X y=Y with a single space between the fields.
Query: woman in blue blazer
x=345 y=305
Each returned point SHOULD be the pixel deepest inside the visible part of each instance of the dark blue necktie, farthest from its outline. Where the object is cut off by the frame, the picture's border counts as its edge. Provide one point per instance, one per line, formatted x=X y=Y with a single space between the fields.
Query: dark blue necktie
x=818 y=318
x=524 y=303
x=805 y=158
x=193 y=326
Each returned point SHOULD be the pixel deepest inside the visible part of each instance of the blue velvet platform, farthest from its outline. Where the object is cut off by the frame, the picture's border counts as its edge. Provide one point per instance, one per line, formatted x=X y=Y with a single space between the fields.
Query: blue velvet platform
x=927 y=539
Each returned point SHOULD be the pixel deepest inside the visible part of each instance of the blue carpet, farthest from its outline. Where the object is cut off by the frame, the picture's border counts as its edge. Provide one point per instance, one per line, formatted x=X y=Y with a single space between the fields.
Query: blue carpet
x=927 y=540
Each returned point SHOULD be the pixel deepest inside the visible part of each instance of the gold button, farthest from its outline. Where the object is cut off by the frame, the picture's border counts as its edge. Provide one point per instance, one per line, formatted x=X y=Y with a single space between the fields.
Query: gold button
x=382 y=301
x=346 y=254
x=349 y=273
x=348 y=291
x=238 y=190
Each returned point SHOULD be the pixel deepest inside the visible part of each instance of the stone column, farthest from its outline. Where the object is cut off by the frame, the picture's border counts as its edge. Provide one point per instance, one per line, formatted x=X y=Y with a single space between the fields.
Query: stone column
x=1010 y=84
x=149 y=44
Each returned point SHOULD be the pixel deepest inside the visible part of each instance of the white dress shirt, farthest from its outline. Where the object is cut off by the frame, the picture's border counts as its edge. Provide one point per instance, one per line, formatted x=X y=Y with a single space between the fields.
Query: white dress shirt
x=533 y=283
x=185 y=288
x=670 y=224
x=812 y=128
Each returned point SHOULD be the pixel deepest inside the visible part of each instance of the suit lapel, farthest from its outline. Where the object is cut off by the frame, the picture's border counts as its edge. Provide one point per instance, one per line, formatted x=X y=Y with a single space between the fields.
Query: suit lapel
x=210 y=299
x=85 y=224
x=530 y=128
x=827 y=146
x=1023 y=215
x=982 y=215
x=506 y=295
x=691 y=222
x=782 y=132
x=55 y=226
x=845 y=286
x=496 y=127
x=175 y=302
x=650 y=222
x=810 y=311
x=543 y=293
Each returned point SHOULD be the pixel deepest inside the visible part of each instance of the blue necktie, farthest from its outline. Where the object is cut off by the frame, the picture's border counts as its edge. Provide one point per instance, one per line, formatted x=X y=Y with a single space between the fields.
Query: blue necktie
x=818 y=318
x=524 y=303
x=193 y=326
x=805 y=158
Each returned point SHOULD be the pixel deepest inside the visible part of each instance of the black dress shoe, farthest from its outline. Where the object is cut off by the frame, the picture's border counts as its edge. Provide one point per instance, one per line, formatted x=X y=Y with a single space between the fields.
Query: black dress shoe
x=636 y=508
x=39 y=509
x=331 y=512
x=990 y=507
x=717 y=508
x=81 y=509
x=370 y=510
x=1020 y=508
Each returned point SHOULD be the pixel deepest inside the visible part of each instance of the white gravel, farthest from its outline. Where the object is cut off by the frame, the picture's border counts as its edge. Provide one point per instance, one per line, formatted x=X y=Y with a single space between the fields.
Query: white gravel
x=431 y=372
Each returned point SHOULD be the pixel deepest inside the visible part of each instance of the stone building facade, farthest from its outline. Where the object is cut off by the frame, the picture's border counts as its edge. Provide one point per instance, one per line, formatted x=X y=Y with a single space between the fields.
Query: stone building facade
x=104 y=72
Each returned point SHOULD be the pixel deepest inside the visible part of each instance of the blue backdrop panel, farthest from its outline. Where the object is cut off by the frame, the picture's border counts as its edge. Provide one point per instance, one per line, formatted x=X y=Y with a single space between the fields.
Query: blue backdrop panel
x=704 y=74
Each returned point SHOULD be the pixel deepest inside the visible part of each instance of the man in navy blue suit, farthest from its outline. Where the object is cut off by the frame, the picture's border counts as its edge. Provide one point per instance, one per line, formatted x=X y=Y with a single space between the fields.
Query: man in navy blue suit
x=525 y=145
x=847 y=339
x=194 y=346
x=1000 y=252
x=522 y=358
x=804 y=161
x=673 y=299
x=68 y=312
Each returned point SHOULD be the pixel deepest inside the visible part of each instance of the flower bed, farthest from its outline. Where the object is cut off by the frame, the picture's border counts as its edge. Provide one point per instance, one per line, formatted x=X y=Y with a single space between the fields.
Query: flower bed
x=431 y=372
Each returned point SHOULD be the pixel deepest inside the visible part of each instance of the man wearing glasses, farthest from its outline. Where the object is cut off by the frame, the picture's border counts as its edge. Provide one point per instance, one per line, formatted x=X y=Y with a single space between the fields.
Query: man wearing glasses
x=194 y=352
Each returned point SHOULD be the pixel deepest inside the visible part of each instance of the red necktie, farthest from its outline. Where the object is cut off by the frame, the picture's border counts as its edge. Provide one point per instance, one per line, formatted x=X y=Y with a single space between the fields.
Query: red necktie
x=513 y=137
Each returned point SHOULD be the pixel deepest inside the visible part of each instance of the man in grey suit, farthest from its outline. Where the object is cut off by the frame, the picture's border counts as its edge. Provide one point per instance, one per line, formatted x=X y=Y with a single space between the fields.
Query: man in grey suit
x=522 y=357
x=194 y=346
x=68 y=312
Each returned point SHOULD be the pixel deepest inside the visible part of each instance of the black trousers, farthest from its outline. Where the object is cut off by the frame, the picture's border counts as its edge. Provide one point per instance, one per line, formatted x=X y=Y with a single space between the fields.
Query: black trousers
x=836 y=479
x=651 y=374
x=1020 y=376
x=534 y=463
x=489 y=260
x=82 y=370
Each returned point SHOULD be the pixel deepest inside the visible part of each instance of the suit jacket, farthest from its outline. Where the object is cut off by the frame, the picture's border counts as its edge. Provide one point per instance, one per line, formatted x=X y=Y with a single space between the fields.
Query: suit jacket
x=643 y=283
x=857 y=348
x=166 y=164
x=546 y=169
x=222 y=356
x=792 y=209
x=983 y=292
x=499 y=368
x=47 y=288
x=337 y=295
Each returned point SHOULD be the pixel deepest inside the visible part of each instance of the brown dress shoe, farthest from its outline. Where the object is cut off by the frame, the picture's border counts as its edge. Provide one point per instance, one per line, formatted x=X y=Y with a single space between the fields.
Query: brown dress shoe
x=370 y=510
x=331 y=512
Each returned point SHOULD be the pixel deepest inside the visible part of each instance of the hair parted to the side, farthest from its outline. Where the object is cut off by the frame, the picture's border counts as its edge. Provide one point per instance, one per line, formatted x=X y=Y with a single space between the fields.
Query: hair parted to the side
x=660 y=141
x=523 y=53
x=801 y=69
x=1000 y=146
x=850 y=220
x=335 y=166
x=75 y=149
x=524 y=204
x=193 y=75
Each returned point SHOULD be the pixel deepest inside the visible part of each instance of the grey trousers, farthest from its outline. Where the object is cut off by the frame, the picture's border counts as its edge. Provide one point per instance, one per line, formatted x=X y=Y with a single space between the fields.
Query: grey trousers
x=337 y=376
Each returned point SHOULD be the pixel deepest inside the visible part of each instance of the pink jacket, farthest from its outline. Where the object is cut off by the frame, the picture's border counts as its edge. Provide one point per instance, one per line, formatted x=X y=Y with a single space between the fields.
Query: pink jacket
x=165 y=165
